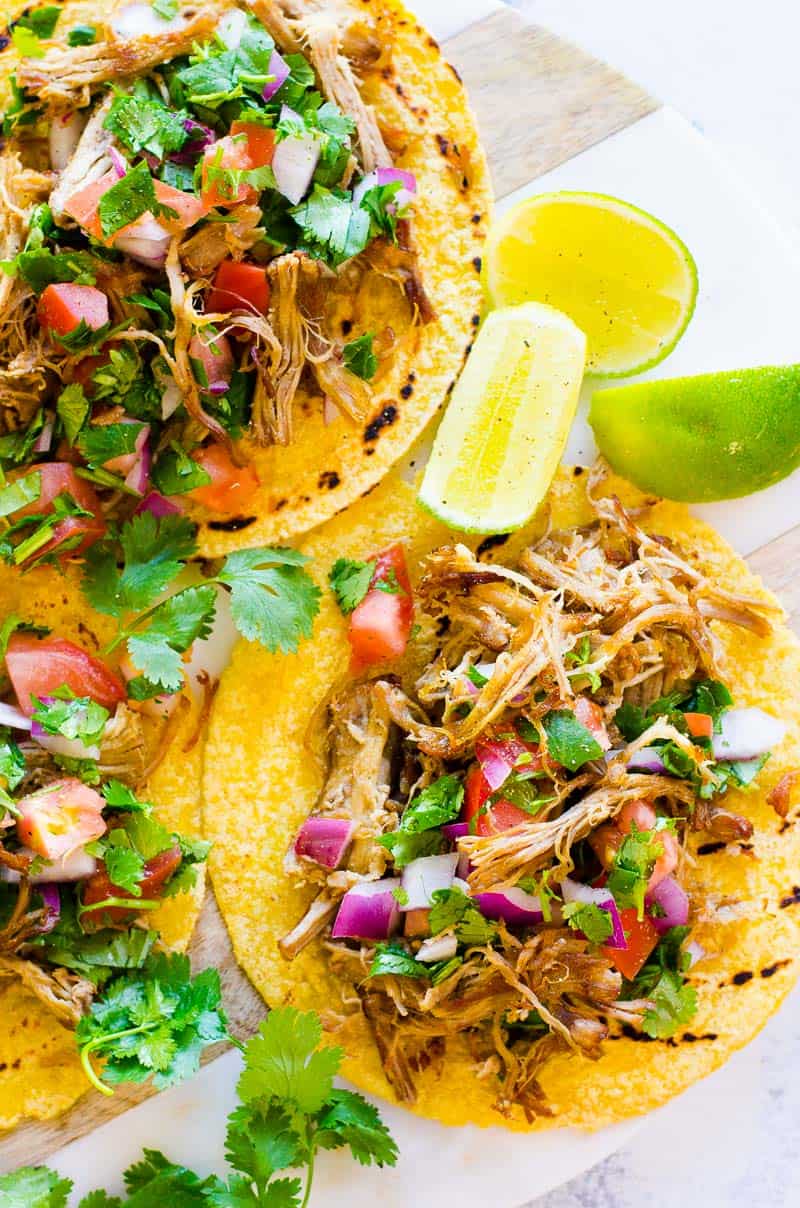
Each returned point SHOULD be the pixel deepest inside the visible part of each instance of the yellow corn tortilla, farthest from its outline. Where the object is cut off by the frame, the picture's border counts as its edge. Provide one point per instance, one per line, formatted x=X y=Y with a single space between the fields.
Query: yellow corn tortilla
x=40 y=1075
x=262 y=779
x=424 y=115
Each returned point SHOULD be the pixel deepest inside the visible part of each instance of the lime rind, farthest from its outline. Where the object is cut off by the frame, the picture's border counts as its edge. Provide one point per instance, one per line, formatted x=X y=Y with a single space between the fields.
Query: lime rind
x=625 y=209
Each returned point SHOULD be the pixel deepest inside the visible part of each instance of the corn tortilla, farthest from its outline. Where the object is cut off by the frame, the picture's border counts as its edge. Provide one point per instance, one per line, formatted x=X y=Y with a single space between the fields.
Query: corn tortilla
x=261 y=781
x=40 y=1075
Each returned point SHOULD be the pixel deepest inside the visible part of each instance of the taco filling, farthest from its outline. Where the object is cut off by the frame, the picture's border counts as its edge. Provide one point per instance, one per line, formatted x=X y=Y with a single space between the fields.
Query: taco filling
x=499 y=852
x=84 y=860
x=185 y=203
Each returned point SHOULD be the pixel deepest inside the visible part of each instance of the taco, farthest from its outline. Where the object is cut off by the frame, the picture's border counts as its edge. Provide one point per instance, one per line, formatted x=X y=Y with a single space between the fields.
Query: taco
x=542 y=852
x=100 y=865
x=241 y=252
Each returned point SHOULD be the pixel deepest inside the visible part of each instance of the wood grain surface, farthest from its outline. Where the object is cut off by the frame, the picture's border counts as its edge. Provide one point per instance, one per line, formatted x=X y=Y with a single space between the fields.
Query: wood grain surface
x=565 y=103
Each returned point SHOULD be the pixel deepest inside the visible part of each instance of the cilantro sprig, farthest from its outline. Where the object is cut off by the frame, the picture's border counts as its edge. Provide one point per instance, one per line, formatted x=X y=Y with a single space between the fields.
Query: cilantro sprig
x=288 y=1111
x=663 y=981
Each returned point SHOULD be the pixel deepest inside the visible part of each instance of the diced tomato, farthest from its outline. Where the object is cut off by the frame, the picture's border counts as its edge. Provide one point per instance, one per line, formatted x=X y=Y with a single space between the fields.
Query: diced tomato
x=607 y=839
x=249 y=145
x=99 y=888
x=59 y=819
x=231 y=488
x=188 y=206
x=642 y=938
x=260 y=142
x=62 y=307
x=501 y=815
x=700 y=725
x=59 y=478
x=239 y=286
x=84 y=205
x=590 y=715
x=380 y=625
x=416 y=922
x=39 y=666
x=215 y=355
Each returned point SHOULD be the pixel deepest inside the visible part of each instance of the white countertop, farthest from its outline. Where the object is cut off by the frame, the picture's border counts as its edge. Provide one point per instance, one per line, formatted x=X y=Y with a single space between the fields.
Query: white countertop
x=730 y=67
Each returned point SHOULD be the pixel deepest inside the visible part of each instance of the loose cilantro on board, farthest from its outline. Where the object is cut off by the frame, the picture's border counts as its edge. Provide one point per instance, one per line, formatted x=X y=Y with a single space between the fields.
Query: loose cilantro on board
x=34 y=1187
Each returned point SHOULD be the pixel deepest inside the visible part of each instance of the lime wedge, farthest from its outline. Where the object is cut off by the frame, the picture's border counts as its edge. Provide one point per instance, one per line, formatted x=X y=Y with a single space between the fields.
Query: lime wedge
x=714 y=436
x=506 y=425
x=625 y=278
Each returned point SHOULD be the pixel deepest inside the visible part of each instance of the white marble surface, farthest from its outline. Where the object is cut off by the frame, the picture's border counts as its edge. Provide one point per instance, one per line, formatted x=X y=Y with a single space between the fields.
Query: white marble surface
x=730 y=67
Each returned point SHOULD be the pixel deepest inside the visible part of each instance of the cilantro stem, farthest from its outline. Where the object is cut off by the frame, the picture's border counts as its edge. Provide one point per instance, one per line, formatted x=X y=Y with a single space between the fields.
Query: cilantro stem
x=125 y=903
x=98 y=1043
x=311 y=1157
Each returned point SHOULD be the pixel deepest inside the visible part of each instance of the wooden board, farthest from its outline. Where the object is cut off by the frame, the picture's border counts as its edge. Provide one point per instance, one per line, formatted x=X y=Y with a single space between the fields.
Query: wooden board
x=569 y=102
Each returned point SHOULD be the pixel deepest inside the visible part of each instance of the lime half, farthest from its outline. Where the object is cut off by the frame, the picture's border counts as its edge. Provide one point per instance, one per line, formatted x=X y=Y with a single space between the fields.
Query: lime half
x=625 y=278
x=714 y=436
x=506 y=425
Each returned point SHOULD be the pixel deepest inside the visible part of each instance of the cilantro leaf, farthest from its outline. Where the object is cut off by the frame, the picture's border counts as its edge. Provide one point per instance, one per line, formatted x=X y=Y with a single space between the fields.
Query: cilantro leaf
x=128 y=199
x=663 y=981
x=42 y=21
x=453 y=909
x=72 y=408
x=165 y=8
x=155 y=1181
x=82 y=35
x=261 y=1139
x=171 y=629
x=395 y=960
x=34 y=1187
x=142 y=123
x=406 y=847
x=123 y=863
x=359 y=357
x=21 y=492
x=379 y=203
x=154 y=551
x=332 y=228
x=40 y=267
x=167 y=1018
x=175 y=472
x=119 y=797
x=73 y=717
x=568 y=742
x=12 y=763
x=591 y=919
x=350 y=581
x=350 y=1120
x=273 y=600
x=435 y=805
x=283 y=1061
x=633 y=866
x=99 y=443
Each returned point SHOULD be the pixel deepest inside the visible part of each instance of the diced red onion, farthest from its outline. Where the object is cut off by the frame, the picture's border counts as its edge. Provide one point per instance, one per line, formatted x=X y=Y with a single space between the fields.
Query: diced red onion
x=231 y=27
x=76 y=866
x=387 y=176
x=52 y=908
x=695 y=952
x=514 y=906
x=64 y=136
x=497 y=760
x=145 y=241
x=574 y=891
x=422 y=878
x=141 y=20
x=368 y=911
x=746 y=734
x=670 y=895
x=158 y=505
x=324 y=840
x=45 y=438
x=439 y=948
x=646 y=760
x=279 y=69
x=294 y=162
x=455 y=830
x=117 y=162
x=139 y=474
x=330 y=412
x=11 y=716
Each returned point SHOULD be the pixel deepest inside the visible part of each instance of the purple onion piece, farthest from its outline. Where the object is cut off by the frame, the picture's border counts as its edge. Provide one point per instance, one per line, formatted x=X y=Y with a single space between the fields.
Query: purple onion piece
x=455 y=830
x=368 y=911
x=673 y=900
x=52 y=905
x=279 y=69
x=513 y=906
x=647 y=760
x=117 y=162
x=324 y=840
x=45 y=438
x=158 y=505
x=575 y=891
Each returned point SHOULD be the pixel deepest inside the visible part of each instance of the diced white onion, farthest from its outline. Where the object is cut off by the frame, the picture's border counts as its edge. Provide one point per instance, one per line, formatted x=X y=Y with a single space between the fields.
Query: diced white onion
x=440 y=948
x=11 y=716
x=422 y=878
x=141 y=20
x=65 y=132
x=231 y=28
x=75 y=867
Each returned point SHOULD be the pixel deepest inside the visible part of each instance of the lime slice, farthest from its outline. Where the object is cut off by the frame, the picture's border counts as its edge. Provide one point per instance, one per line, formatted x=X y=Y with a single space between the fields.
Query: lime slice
x=627 y=280
x=714 y=436
x=506 y=425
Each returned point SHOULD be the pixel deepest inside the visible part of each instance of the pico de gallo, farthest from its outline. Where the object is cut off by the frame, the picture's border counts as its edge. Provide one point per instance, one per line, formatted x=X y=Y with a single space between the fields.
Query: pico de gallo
x=499 y=850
